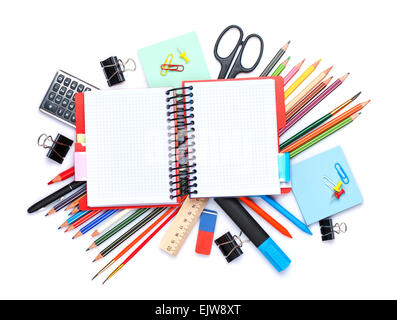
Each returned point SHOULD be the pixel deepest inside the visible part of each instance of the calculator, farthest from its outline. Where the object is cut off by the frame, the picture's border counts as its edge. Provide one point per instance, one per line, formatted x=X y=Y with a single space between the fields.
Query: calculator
x=59 y=99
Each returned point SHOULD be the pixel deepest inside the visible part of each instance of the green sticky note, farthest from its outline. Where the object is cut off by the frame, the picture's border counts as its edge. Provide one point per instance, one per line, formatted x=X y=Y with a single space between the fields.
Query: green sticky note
x=154 y=56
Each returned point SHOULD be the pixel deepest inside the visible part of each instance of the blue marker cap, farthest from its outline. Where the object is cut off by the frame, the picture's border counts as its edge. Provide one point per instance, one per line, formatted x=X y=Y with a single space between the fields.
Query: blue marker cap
x=274 y=254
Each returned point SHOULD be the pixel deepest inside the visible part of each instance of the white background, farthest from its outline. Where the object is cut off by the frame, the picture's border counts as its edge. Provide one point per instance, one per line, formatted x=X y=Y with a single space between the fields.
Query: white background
x=39 y=37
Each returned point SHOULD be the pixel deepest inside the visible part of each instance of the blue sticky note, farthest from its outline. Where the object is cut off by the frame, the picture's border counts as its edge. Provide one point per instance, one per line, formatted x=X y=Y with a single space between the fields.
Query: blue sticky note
x=154 y=56
x=312 y=194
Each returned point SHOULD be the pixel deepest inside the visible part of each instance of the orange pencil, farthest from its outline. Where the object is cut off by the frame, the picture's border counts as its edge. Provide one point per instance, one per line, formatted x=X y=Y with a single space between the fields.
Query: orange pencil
x=325 y=127
x=265 y=216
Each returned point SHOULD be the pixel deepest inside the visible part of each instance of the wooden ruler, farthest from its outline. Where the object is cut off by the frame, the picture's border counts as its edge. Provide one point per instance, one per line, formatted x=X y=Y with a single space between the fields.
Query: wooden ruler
x=182 y=225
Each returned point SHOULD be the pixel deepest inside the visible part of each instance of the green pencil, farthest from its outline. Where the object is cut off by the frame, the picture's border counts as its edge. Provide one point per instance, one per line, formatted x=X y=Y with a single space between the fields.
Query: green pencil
x=118 y=227
x=316 y=123
x=280 y=68
x=322 y=136
x=129 y=233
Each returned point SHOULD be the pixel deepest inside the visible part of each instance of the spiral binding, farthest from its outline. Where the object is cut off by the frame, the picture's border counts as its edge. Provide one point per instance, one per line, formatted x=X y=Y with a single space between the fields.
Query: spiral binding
x=181 y=141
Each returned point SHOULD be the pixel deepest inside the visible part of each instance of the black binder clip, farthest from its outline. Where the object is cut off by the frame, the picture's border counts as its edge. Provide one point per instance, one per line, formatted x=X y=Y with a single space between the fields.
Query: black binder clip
x=328 y=229
x=58 y=148
x=229 y=246
x=114 y=69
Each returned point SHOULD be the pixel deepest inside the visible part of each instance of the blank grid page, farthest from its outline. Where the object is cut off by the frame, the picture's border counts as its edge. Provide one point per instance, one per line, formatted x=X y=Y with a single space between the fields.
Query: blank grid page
x=127 y=147
x=236 y=138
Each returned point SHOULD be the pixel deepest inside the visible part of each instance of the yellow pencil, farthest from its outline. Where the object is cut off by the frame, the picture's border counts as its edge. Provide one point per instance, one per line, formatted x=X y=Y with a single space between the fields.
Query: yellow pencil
x=308 y=88
x=302 y=78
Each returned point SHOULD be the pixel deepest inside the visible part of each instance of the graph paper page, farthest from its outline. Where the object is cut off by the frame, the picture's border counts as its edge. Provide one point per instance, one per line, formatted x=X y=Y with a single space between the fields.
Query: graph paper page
x=127 y=147
x=236 y=139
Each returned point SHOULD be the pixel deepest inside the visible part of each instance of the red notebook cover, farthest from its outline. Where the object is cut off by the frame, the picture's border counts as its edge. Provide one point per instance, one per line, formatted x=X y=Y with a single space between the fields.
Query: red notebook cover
x=80 y=129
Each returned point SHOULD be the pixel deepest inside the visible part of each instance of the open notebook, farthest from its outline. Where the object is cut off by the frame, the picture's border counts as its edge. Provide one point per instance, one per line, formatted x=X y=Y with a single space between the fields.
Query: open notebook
x=232 y=125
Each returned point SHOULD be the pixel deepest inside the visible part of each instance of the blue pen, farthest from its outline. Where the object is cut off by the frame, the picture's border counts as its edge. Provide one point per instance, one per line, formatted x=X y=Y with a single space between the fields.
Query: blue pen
x=287 y=214
x=106 y=214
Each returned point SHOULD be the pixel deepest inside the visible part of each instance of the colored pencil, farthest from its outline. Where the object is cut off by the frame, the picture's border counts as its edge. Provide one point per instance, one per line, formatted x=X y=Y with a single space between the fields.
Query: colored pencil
x=287 y=214
x=129 y=233
x=83 y=220
x=312 y=104
x=316 y=123
x=307 y=98
x=325 y=127
x=106 y=214
x=280 y=68
x=322 y=136
x=63 y=176
x=113 y=220
x=76 y=209
x=137 y=239
x=74 y=218
x=301 y=78
x=265 y=216
x=293 y=72
x=75 y=202
x=65 y=202
x=274 y=61
x=141 y=245
x=307 y=89
x=117 y=228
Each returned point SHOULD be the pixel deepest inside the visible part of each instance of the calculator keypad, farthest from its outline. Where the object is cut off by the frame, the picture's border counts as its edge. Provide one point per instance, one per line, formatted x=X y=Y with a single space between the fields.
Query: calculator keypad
x=59 y=100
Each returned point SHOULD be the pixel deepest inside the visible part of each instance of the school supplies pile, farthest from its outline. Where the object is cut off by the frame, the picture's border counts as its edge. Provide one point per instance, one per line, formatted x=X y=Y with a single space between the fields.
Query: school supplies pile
x=145 y=158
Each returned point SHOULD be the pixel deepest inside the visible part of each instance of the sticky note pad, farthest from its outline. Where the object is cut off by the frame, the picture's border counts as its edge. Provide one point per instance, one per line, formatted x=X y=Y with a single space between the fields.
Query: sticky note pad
x=206 y=232
x=154 y=56
x=313 y=195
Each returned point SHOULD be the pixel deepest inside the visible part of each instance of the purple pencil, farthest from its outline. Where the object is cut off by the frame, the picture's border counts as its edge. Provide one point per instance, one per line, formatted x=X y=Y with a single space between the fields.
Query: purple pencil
x=299 y=115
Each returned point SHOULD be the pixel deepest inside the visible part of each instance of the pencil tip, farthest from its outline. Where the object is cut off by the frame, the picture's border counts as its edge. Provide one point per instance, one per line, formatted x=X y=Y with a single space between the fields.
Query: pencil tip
x=328 y=70
x=365 y=103
x=98 y=257
x=95 y=233
x=355 y=97
x=343 y=78
x=78 y=234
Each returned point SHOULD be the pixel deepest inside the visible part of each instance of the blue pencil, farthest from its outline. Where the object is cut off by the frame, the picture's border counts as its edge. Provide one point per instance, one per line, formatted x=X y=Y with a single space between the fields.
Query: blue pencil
x=106 y=214
x=74 y=218
x=287 y=214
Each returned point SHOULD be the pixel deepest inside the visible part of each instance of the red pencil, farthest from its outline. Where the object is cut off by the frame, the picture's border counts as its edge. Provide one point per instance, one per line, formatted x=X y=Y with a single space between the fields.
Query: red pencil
x=265 y=216
x=63 y=176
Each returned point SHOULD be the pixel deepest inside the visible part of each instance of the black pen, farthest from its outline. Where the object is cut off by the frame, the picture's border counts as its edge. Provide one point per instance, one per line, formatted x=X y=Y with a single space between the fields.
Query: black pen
x=56 y=195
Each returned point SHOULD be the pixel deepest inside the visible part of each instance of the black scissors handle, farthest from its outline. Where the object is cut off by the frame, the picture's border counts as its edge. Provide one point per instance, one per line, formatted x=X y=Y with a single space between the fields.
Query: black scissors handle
x=237 y=66
x=227 y=61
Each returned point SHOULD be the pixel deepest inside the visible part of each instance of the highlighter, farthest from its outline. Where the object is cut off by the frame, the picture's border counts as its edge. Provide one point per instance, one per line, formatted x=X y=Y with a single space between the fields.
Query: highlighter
x=248 y=225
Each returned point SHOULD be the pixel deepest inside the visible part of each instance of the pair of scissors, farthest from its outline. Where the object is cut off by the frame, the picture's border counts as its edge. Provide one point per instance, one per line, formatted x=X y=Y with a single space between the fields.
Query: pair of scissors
x=227 y=61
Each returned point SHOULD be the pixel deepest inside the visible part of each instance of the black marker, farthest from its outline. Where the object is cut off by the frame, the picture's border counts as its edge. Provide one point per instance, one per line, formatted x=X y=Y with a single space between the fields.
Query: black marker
x=254 y=232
